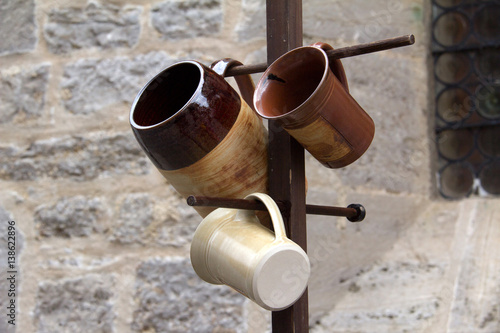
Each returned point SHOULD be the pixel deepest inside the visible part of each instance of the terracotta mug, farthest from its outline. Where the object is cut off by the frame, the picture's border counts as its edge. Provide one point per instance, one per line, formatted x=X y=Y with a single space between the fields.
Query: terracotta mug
x=200 y=134
x=231 y=247
x=308 y=95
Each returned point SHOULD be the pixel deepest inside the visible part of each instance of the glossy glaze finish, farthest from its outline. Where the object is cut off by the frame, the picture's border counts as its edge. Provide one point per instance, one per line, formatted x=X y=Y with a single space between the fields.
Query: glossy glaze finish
x=233 y=169
x=200 y=134
x=182 y=114
x=309 y=97
x=231 y=247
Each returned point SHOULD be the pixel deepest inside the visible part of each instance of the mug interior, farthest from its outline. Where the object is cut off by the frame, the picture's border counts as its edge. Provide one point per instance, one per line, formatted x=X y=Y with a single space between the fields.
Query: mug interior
x=290 y=81
x=166 y=94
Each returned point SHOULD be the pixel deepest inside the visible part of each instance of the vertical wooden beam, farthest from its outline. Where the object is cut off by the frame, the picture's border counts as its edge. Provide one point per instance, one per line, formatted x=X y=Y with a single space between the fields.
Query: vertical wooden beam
x=286 y=156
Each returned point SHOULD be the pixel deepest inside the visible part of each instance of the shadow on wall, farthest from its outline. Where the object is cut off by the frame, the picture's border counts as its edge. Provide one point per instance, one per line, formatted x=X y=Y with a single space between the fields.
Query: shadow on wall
x=340 y=251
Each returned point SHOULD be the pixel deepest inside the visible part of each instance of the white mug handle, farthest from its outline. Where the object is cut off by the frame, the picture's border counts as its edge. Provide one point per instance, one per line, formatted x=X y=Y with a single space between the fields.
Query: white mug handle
x=274 y=212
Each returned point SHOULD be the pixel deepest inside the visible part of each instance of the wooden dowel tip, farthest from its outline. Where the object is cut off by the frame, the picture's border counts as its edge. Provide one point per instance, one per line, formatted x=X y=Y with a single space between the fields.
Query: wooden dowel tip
x=191 y=200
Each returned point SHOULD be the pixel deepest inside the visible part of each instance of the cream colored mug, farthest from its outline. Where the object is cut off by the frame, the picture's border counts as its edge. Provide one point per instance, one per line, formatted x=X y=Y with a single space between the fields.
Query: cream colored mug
x=231 y=247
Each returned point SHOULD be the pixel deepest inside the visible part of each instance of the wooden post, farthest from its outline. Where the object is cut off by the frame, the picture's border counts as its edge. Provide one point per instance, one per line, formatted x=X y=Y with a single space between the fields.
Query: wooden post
x=286 y=156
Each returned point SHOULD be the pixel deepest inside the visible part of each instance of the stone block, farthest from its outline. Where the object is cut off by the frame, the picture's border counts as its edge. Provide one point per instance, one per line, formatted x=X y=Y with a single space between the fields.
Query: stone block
x=135 y=216
x=361 y=21
x=147 y=220
x=90 y=85
x=97 y=25
x=339 y=250
x=252 y=21
x=398 y=158
x=390 y=296
x=187 y=19
x=77 y=216
x=22 y=92
x=75 y=157
x=474 y=290
x=78 y=305
x=18 y=27
x=177 y=223
x=172 y=298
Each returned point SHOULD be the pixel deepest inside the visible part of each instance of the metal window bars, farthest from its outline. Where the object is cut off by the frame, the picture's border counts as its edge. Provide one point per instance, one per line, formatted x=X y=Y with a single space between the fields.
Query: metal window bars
x=466 y=50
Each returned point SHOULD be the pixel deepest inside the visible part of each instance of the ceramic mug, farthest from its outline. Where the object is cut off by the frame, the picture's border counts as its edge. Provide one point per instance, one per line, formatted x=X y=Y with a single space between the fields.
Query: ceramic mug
x=308 y=95
x=200 y=134
x=231 y=247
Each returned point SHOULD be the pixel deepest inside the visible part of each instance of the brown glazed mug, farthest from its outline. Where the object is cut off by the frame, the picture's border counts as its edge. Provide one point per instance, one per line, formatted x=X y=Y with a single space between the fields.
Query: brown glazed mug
x=200 y=134
x=308 y=95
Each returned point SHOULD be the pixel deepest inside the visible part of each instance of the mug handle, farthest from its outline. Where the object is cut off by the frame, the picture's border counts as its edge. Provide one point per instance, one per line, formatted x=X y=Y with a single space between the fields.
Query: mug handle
x=274 y=212
x=335 y=65
x=245 y=82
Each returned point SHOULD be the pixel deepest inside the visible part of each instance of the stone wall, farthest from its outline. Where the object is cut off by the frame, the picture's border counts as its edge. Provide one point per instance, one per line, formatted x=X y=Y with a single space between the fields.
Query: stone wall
x=103 y=240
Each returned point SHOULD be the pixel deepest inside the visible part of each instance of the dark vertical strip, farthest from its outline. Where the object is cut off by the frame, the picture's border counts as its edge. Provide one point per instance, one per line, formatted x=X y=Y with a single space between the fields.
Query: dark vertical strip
x=286 y=156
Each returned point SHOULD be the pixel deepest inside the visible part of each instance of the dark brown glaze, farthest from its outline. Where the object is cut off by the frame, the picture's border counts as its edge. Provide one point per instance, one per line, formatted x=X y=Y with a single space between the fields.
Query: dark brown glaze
x=182 y=114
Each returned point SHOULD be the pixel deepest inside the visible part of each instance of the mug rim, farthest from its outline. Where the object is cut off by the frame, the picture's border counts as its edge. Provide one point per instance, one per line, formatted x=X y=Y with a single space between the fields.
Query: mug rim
x=178 y=112
x=265 y=74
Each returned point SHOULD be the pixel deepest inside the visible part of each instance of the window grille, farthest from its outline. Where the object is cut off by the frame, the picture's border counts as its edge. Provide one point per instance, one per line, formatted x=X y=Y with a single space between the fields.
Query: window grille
x=466 y=52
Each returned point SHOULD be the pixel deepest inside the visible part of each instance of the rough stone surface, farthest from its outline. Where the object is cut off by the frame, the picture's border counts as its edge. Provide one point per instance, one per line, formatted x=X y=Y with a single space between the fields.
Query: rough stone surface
x=136 y=214
x=361 y=21
x=187 y=19
x=5 y=286
x=148 y=221
x=475 y=291
x=338 y=20
x=75 y=157
x=70 y=217
x=369 y=306
x=432 y=279
x=391 y=282
x=172 y=298
x=97 y=25
x=70 y=260
x=252 y=21
x=90 y=85
x=78 y=305
x=399 y=126
x=18 y=28
x=338 y=252
x=176 y=229
x=22 y=92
